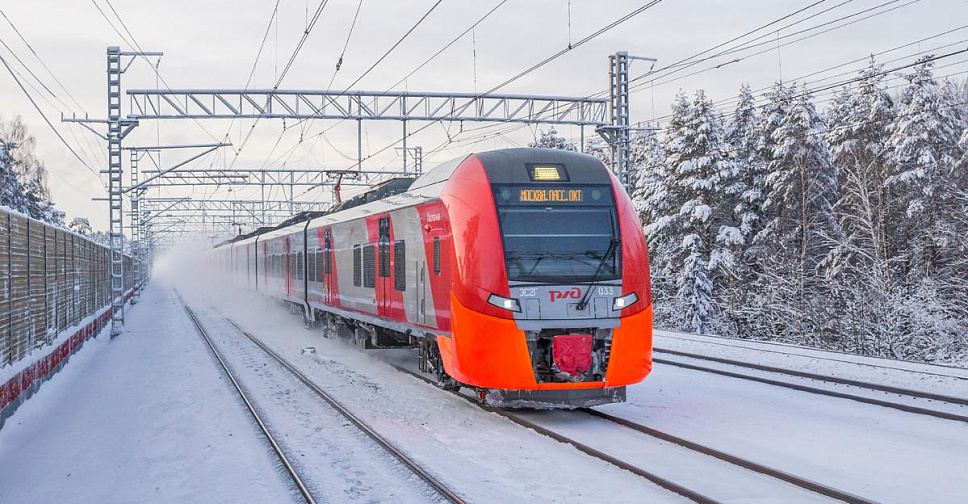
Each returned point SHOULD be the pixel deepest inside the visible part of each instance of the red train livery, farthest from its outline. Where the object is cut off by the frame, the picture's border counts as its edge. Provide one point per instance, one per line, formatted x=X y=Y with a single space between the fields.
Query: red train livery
x=522 y=273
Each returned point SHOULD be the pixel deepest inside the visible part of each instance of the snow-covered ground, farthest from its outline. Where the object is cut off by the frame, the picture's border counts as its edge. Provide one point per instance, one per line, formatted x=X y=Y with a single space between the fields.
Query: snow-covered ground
x=482 y=456
x=932 y=378
x=149 y=417
x=146 y=417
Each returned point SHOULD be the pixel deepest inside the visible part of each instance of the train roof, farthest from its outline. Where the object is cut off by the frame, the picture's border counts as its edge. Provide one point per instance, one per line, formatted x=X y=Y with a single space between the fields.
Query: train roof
x=427 y=187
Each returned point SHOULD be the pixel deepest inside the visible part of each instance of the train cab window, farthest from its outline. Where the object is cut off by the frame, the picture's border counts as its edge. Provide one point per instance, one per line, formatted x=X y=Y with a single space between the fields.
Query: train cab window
x=437 y=255
x=369 y=265
x=559 y=233
x=328 y=252
x=357 y=266
x=399 y=265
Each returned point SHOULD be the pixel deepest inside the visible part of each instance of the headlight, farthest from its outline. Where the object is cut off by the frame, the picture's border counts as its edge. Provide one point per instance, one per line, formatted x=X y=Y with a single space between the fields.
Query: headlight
x=503 y=302
x=625 y=301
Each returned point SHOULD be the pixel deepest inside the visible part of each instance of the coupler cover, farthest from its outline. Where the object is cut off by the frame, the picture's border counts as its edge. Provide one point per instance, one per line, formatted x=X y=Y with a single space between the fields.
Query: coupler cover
x=573 y=353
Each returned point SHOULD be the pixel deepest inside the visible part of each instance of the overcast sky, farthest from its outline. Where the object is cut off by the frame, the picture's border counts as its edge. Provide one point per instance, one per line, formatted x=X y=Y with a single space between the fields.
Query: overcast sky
x=211 y=44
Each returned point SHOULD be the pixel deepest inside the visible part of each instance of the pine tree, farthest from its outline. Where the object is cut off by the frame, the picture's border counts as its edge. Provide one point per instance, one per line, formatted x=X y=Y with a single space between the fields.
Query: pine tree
x=697 y=237
x=859 y=266
x=802 y=189
x=552 y=140
x=648 y=165
x=12 y=193
x=23 y=184
x=924 y=154
x=751 y=168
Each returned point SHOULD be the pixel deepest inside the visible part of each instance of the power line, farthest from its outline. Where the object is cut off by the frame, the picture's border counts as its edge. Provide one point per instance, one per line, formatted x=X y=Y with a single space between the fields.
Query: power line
x=538 y=65
x=841 y=84
x=133 y=43
x=449 y=44
x=299 y=46
x=394 y=46
x=771 y=49
x=42 y=114
x=346 y=44
x=592 y=36
x=688 y=62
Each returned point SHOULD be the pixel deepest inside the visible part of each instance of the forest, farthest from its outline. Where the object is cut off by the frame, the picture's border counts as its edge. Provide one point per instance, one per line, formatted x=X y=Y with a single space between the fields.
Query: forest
x=843 y=227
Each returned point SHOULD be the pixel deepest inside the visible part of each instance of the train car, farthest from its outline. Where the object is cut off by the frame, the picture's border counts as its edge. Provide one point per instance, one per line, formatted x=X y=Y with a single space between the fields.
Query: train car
x=522 y=273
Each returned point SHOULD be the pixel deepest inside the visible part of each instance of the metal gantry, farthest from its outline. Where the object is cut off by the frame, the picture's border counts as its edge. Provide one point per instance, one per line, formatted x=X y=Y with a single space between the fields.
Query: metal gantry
x=618 y=133
x=610 y=117
x=364 y=105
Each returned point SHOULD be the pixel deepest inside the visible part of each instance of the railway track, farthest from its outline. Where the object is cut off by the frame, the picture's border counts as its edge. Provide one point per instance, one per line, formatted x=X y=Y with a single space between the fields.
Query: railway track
x=804 y=483
x=286 y=464
x=954 y=372
x=441 y=488
x=874 y=387
x=582 y=447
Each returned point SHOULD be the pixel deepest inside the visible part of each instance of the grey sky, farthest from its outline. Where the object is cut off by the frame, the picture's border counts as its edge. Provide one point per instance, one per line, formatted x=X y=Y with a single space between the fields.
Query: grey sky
x=213 y=44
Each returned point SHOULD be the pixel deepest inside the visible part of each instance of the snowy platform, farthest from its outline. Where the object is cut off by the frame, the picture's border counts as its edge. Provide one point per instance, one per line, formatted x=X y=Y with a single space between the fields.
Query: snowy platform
x=144 y=417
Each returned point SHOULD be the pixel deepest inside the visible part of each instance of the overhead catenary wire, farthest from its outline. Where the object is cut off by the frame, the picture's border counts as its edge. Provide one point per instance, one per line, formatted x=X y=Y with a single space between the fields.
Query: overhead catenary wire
x=538 y=65
x=770 y=49
x=44 y=116
x=880 y=73
x=867 y=58
x=90 y=152
x=576 y=45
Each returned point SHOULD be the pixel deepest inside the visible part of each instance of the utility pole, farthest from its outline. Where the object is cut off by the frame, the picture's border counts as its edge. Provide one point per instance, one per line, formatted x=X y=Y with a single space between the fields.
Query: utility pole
x=136 y=244
x=619 y=133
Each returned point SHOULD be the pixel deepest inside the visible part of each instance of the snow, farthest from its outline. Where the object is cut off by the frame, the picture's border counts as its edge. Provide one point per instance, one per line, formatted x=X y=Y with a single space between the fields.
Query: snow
x=10 y=370
x=145 y=417
x=483 y=456
x=875 y=452
x=149 y=417
x=931 y=378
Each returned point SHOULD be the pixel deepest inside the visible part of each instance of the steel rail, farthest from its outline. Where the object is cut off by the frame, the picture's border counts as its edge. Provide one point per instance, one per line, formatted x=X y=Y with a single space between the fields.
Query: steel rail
x=884 y=361
x=248 y=404
x=827 y=378
x=588 y=450
x=436 y=484
x=804 y=483
x=814 y=390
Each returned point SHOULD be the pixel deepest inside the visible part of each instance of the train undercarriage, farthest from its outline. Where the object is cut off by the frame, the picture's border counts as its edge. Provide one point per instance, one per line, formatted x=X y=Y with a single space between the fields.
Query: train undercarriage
x=588 y=362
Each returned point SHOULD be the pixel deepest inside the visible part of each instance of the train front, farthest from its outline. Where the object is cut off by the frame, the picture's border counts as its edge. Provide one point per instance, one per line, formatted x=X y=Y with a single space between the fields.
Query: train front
x=550 y=304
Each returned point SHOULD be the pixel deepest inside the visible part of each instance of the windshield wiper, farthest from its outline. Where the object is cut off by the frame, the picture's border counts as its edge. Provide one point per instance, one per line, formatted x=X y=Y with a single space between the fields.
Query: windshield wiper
x=601 y=267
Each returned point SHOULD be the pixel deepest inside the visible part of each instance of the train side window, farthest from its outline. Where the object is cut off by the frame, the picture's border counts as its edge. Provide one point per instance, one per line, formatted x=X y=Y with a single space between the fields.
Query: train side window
x=311 y=265
x=369 y=265
x=319 y=265
x=357 y=266
x=436 y=255
x=300 y=266
x=399 y=265
x=384 y=258
x=328 y=252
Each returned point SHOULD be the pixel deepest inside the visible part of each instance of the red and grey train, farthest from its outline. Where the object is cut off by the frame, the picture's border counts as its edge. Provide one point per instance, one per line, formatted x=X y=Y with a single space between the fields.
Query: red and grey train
x=522 y=273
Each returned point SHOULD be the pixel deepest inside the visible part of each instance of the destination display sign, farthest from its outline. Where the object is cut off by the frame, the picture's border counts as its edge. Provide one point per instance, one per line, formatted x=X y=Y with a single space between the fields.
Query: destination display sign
x=552 y=195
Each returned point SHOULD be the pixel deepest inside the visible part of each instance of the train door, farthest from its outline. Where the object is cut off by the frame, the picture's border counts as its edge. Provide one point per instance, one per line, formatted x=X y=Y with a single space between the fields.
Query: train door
x=383 y=268
x=421 y=289
x=287 y=260
x=329 y=282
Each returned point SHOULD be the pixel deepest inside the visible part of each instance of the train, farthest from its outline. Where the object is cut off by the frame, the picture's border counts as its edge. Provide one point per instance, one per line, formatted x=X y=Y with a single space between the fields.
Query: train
x=521 y=274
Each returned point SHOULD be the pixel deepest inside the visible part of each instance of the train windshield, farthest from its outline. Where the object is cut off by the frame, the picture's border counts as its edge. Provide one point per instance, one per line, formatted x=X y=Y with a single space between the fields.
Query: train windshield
x=559 y=233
